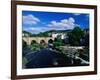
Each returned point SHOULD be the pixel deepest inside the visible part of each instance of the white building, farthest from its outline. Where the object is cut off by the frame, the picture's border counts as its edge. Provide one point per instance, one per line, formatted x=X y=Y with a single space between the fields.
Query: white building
x=62 y=35
x=54 y=35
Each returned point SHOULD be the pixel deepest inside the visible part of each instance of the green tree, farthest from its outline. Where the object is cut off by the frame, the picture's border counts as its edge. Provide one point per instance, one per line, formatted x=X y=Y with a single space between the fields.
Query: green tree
x=43 y=34
x=75 y=35
x=50 y=41
x=58 y=42
x=35 y=47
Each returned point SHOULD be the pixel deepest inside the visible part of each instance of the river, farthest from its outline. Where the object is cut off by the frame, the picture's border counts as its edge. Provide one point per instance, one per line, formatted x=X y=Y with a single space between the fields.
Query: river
x=48 y=58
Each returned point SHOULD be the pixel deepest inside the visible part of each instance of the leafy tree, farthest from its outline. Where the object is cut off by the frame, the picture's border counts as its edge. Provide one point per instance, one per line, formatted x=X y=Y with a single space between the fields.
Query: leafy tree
x=75 y=35
x=86 y=42
x=58 y=42
x=35 y=47
x=50 y=41
x=27 y=34
x=43 y=34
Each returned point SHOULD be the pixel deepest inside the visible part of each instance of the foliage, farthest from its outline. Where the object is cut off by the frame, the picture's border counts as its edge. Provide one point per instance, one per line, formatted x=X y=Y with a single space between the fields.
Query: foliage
x=35 y=47
x=33 y=42
x=75 y=35
x=58 y=42
x=43 y=34
x=50 y=41
x=86 y=42
x=27 y=34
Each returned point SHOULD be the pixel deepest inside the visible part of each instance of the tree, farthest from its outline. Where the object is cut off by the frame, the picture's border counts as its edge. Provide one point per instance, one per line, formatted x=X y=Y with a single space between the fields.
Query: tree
x=58 y=42
x=50 y=41
x=75 y=35
x=86 y=42
x=43 y=34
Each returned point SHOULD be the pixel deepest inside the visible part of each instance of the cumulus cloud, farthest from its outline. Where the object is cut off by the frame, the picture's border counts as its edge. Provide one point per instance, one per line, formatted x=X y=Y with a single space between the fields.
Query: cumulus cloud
x=30 y=19
x=63 y=24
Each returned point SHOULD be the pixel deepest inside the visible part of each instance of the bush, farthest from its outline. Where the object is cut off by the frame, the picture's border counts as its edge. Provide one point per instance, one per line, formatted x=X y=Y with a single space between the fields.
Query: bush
x=58 y=42
x=35 y=47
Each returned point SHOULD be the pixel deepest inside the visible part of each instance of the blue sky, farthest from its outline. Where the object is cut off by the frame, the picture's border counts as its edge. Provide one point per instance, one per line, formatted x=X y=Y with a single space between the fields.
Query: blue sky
x=35 y=21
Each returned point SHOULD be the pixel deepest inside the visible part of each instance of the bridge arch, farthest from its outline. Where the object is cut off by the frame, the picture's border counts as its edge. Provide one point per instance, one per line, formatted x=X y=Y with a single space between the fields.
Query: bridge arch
x=33 y=42
x=42 y=41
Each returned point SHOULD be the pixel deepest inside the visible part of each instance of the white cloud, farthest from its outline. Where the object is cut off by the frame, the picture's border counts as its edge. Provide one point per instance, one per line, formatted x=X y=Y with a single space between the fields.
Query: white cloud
x=72 y=20
x=63 y=24
x=36 y=29
x=77 y=14
x=30 y=19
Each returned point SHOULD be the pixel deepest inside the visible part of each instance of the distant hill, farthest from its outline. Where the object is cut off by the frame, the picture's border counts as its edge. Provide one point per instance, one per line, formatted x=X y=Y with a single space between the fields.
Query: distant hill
x=47 y=33
x=58 y=31
x=26 y=33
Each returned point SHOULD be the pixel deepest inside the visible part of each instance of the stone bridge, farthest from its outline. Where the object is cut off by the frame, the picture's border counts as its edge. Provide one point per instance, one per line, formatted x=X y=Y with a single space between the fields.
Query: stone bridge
x=28 y=40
